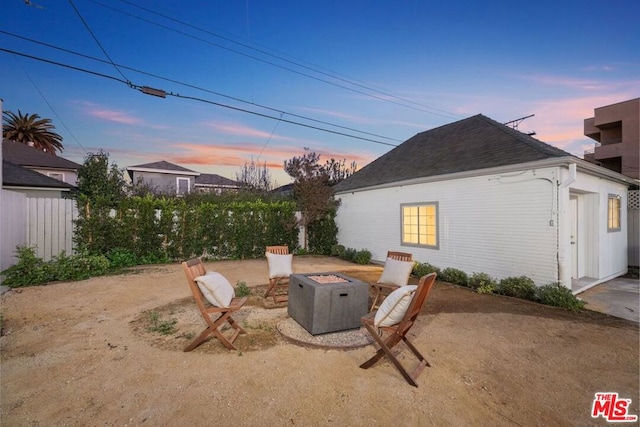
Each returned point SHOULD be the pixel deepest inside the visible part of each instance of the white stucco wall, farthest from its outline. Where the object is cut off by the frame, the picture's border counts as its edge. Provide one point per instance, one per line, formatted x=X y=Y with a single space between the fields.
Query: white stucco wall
x=501 y=224
x=602 y=254
x=504 y=224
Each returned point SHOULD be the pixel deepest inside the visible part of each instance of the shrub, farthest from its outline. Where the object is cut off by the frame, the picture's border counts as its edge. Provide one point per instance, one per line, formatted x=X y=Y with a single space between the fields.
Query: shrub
x=362 y=257
x=559 y=296
x=350 y=254
x=478 y=280
x=455 y=276
x=337 y=250
x=242 y=290
x=31 y=270
x=422 y=269
x=519 y=287
x=486 y=289
x=28 y=271
x=121 y=258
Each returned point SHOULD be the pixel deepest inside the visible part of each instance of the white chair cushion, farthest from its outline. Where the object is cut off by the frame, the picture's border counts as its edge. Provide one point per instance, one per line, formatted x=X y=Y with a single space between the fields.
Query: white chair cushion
x=216 y=289
x=396 y=272
x=394 y=307
x=279 y=265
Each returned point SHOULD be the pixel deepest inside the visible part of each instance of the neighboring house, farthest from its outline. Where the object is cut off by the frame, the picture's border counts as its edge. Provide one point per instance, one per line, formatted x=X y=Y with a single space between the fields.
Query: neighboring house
x=212 y=183
x=479 y=196
x=36 y=160
x=168 y=178
x=36 y=173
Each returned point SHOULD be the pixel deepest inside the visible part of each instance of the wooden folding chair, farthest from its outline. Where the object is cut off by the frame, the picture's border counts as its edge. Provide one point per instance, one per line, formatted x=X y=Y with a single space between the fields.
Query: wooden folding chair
x=398 y=332
x=278 y=285
x=381 y=290
x=192 y=269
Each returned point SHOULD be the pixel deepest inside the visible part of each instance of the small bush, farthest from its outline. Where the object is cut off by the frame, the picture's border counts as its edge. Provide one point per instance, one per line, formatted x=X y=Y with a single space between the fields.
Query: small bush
x=519 y=287
x=455 y=276
x=559 y=296
x=478 y=280
x=242 y=290
x=422 y=269
x=78 y=267
x=350 y=254
x=121 y=258
x=486 y=289
x=337 y=250
x=362 y=257
x=28 y=271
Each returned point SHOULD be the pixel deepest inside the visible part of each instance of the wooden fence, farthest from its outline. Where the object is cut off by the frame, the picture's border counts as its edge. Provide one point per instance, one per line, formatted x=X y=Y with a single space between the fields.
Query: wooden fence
x=46 y=224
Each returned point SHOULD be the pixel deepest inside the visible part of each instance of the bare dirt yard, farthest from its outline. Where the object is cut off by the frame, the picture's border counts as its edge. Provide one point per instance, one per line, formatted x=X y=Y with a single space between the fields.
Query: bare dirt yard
x=81 y=354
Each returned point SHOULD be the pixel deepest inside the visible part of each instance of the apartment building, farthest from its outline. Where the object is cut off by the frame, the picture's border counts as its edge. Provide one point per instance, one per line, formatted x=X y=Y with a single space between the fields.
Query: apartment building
x=616 y=130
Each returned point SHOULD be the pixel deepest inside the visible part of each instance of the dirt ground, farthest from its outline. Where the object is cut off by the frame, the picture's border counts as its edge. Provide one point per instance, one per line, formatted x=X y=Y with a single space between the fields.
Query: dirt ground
x=81 y=354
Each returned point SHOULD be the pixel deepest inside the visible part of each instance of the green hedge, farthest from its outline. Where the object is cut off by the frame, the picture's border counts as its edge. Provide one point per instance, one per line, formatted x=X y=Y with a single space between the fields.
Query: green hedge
x=157 y=228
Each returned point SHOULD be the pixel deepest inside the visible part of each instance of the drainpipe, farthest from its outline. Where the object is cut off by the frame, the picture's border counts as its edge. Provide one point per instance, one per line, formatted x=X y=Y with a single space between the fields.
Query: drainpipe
x=563 y=225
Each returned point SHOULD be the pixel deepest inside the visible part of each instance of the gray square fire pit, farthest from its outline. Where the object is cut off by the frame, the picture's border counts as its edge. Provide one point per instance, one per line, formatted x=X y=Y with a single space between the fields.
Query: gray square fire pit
x=327 y=307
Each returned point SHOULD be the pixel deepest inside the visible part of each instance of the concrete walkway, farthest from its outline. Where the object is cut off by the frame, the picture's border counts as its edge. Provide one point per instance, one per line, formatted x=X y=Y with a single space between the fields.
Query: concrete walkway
x=619 y=297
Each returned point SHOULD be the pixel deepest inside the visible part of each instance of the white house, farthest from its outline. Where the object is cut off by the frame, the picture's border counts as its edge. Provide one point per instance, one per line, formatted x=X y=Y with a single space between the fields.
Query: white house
x=480 y=196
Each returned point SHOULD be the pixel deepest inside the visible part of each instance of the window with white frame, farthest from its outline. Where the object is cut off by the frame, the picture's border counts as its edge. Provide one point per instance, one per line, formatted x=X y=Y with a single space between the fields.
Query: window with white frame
x=182 y=185
x=56 y=175
x=420 y=224
x=613 y=213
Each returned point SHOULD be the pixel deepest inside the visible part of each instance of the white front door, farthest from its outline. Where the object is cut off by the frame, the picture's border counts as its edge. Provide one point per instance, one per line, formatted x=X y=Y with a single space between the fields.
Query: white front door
x=574 y=238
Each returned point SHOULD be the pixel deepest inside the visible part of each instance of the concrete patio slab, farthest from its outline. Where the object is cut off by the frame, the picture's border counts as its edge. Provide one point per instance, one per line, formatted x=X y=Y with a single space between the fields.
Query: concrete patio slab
x=619 y=297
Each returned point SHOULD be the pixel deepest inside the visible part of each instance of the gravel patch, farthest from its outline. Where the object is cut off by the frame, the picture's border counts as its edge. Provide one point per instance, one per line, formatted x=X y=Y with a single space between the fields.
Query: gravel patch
x=346 y=340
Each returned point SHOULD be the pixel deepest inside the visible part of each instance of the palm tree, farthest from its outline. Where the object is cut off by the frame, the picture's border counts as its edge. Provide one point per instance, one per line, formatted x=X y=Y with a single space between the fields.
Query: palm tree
x=31 y=130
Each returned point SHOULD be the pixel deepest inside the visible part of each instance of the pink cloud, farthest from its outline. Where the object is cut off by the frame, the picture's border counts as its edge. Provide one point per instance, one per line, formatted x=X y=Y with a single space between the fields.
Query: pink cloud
x=239 y=129
x=109 y=115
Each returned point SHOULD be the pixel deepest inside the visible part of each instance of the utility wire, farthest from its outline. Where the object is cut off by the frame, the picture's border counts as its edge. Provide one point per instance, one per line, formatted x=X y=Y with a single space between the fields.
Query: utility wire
x=96 y=39
x=53 y=109
x=281 y=112
x=383 y=97
x=140 y=88
x=298 y=64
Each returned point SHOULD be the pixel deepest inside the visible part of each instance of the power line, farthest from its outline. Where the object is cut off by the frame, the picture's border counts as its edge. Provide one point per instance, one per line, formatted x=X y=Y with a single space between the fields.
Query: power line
x=53 y=109
x=96 y=39
x=141 y=88
x=281 y=112
x=383 y=96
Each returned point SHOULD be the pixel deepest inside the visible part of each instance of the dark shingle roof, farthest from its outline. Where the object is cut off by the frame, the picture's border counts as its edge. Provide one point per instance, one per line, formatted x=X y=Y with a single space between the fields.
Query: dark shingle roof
x=17 y=176
x=477 y=142
x=163 y=165
x=213 y=179
x=23 y=155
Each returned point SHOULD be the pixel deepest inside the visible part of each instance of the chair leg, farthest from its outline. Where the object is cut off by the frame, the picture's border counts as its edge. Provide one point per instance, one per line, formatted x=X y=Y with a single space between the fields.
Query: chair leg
x=213 y=329
x=203 y=335
x=385 y=350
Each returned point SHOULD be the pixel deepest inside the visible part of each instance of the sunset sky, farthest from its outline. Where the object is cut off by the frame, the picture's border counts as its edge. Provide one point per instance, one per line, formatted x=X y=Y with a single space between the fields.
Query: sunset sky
x=249 y=80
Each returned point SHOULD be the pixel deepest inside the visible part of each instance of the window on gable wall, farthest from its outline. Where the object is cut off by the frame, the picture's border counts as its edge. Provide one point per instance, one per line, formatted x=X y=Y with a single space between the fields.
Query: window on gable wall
x=420 y=224
x=613 y=213
x=56 y=175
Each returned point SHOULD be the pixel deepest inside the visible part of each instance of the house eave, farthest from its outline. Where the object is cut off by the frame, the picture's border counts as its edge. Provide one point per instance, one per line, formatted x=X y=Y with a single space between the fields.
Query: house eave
x=582 y=165
x=21 y=187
